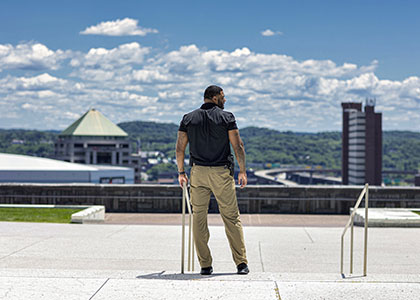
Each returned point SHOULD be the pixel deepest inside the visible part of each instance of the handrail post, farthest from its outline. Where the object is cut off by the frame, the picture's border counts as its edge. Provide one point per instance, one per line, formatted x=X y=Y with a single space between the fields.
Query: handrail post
x=366 y=232
x=342 y=255
x=190 y=235
x=186 y=202
x=351 y=245
x=189 y=242
x=365 y=193
x=192 y=247
x=183 y=231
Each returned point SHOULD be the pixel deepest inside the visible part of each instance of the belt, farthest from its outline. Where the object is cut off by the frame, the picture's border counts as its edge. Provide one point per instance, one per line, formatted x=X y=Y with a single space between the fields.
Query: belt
x=225 y=166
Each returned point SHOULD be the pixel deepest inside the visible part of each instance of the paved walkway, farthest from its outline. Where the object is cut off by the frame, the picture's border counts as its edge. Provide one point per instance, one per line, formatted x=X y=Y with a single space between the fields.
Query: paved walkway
x=109 y=261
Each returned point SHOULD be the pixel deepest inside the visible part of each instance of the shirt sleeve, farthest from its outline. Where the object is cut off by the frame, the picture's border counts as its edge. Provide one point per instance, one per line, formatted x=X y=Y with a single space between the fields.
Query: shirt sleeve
x=182 y=126
x=232 y=122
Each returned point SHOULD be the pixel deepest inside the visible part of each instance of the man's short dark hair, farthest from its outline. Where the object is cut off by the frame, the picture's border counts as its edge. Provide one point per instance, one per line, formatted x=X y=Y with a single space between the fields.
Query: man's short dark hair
x=212 y=91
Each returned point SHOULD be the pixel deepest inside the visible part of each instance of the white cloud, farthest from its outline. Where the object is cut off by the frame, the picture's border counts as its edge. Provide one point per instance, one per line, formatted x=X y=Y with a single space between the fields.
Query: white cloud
x=116 y=64
x=130 y=82
x=37 y=83
x=150 y=76
x=269 y=32
x=30 y=56
x=119 y=27
x=125 y=54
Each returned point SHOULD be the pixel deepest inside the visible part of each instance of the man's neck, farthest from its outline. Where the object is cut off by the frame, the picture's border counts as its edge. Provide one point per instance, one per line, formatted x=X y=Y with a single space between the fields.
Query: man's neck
x=209 y=101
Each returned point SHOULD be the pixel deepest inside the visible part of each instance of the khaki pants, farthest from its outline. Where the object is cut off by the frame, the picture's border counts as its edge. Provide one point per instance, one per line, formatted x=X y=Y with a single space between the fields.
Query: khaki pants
x=217 y=180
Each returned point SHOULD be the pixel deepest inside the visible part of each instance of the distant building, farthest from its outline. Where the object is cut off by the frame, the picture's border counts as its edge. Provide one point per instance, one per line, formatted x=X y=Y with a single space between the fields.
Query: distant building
x=417 y=180
x=18 y=142
x=94 y=139
x=361 y=144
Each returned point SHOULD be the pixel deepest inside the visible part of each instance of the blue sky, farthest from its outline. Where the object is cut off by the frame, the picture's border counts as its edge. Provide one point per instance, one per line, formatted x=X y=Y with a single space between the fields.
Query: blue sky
x=319 y=54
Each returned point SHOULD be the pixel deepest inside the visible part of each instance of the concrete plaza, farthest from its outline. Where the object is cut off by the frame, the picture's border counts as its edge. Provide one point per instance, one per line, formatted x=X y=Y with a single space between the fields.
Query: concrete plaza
x=126 y=261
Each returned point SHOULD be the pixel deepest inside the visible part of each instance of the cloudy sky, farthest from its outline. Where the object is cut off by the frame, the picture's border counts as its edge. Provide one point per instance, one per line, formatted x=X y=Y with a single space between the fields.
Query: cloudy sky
x=285 y=65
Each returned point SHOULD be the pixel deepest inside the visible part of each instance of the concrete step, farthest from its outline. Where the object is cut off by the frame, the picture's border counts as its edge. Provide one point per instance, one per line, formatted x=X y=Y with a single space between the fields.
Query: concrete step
x=123 y=284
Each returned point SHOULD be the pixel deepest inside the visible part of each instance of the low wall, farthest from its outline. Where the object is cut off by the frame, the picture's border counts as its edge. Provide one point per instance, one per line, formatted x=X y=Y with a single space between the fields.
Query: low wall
x=150 y=198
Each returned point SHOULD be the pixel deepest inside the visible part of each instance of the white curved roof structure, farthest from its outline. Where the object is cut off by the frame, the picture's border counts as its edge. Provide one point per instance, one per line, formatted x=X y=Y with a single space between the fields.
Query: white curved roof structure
x=24 y=168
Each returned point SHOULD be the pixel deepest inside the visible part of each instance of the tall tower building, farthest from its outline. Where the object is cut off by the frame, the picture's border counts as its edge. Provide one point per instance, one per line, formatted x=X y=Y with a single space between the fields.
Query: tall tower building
x=361 y=144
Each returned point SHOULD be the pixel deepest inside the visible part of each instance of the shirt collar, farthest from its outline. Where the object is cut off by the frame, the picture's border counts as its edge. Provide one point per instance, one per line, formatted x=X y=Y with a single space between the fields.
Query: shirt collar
x=208 y=105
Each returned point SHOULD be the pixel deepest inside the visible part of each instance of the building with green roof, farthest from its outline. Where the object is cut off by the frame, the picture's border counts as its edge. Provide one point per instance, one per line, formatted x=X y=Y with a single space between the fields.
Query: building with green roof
x=94 y=139
x=93 y=123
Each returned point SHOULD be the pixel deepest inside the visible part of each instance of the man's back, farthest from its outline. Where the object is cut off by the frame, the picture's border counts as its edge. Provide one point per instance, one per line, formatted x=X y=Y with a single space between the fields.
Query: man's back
x=207 y=129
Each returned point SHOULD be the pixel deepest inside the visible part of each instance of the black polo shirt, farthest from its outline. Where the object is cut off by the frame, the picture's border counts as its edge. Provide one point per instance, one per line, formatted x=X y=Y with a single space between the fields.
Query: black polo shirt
x=207 y=129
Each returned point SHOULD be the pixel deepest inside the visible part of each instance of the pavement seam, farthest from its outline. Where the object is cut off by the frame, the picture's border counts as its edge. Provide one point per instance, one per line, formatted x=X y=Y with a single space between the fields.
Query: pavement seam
x=261 y=260
x=99 y=289
x=25 y=247
x=307 y=233
x=277 y=291
x=117 y=231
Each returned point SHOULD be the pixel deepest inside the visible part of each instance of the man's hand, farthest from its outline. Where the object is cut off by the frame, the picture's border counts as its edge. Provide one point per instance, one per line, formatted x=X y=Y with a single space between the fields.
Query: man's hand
x=181 y=179
x=242 y=179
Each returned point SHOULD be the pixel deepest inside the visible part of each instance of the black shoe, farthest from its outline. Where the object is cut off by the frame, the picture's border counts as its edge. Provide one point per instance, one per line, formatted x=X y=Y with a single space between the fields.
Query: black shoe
x=206 y=271
x=243 y=269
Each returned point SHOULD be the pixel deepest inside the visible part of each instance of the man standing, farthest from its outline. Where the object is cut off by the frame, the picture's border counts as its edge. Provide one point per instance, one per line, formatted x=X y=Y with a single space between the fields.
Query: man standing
x=209 y=130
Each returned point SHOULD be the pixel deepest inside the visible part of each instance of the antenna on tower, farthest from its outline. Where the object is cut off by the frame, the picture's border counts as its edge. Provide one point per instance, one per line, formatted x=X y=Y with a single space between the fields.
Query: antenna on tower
x=370 y=101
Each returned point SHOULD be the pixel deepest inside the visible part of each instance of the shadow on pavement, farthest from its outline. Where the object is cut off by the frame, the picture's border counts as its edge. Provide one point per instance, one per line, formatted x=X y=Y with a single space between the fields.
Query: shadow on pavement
x=178 y=276
x=352 y=276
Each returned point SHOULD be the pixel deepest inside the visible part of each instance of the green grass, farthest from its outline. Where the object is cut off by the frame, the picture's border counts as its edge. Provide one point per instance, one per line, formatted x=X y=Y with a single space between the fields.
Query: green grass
x=417 y=212
x=49 y=215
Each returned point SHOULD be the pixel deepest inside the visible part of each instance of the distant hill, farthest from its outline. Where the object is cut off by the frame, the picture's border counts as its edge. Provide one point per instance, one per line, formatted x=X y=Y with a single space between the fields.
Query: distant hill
x=401 y=148
x=28 y=142
x=266 y=145
x=152 y=136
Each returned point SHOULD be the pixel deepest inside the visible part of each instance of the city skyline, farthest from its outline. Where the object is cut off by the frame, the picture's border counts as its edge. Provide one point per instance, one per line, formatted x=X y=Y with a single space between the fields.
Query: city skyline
x=285 y=66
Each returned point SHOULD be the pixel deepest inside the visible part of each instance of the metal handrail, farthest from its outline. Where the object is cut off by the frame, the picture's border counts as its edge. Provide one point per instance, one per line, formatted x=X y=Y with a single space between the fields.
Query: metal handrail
x=186 y=201
x=365 y=192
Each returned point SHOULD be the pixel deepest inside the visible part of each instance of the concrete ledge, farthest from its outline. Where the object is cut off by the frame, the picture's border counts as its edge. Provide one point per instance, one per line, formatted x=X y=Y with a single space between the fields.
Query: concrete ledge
x=92 y=214
x=388 y=217
x=89 y=214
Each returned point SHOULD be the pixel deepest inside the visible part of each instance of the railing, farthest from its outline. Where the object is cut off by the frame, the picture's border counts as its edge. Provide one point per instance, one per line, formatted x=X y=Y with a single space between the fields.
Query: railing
x=365 y=192
x=186 y=201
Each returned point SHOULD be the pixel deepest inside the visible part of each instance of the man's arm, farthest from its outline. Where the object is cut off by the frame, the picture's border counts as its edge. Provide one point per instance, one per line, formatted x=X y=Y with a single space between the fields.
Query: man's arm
x=238 y=147
x=181 y=145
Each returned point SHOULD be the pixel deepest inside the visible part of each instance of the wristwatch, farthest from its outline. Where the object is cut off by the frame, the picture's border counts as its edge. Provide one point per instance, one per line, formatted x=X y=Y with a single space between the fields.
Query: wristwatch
x=181 y=173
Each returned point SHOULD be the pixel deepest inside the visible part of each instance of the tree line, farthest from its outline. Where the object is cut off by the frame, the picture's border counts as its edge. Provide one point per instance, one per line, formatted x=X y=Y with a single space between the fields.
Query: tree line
x=262 y=145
